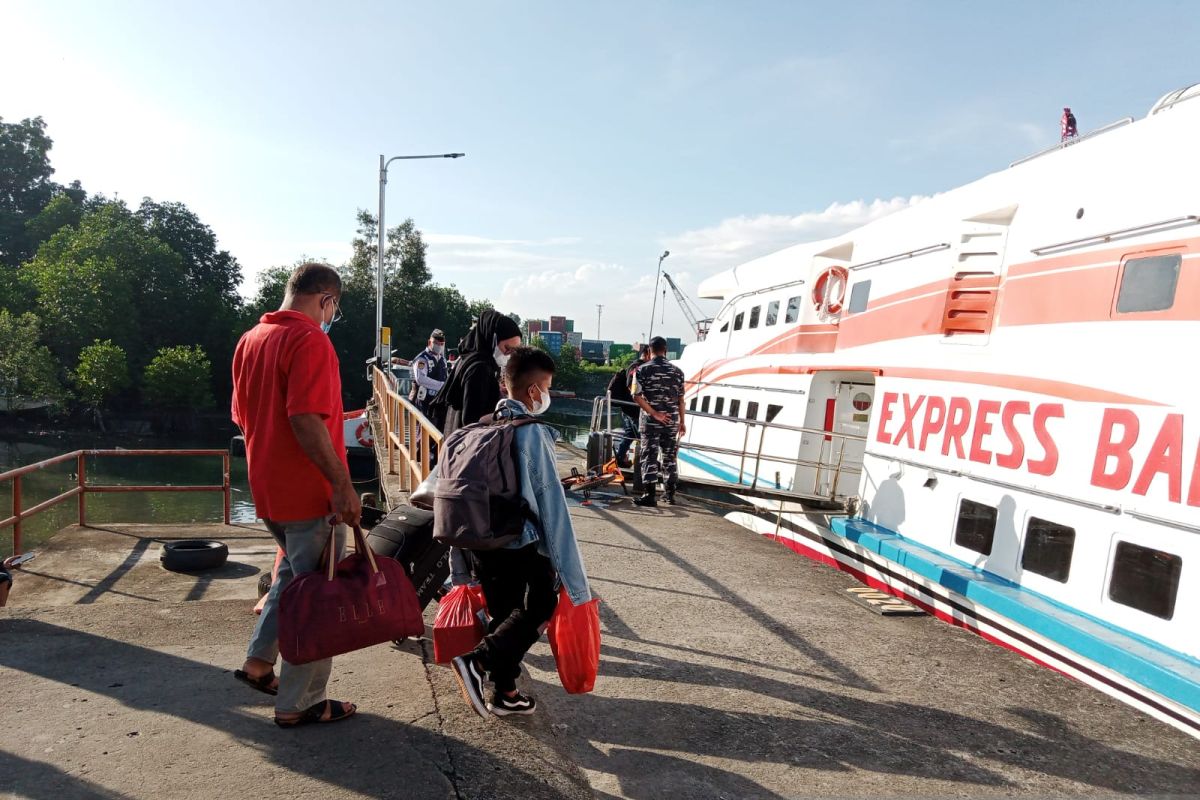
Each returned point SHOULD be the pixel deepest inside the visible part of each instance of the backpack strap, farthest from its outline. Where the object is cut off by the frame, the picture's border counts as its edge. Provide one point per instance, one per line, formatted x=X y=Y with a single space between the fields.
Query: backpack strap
x=516 y=419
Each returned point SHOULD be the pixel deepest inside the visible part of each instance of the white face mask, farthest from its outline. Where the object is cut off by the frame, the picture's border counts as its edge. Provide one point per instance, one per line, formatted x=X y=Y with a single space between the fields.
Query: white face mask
x=542 y=404
x=437 y=349
x=500 y=357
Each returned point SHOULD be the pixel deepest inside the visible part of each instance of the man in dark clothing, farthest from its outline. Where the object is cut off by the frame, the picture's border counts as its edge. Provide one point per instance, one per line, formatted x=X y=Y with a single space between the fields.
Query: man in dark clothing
x=429 y=372
x=658 y=390
x=618 y=389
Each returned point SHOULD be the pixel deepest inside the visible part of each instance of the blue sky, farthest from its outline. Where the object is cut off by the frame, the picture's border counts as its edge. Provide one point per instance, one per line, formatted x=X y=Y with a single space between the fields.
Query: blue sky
x=597 y=134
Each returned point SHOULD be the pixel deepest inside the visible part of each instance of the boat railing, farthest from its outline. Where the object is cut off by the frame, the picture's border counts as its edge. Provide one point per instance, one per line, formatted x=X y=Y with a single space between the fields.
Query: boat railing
x=83 y=487
x=1074 y=140
x=828 y=468
x=407 y=432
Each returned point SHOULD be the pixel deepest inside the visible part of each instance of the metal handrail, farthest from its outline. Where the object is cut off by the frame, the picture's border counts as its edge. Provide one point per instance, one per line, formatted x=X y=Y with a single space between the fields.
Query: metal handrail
x=398 y=415
x=1098 y=238
x=1181 y=95
x=743 y=386
x=920 y=251
x=731 y=301
x=82 y=488
x=839 y=468
x=1073 y=141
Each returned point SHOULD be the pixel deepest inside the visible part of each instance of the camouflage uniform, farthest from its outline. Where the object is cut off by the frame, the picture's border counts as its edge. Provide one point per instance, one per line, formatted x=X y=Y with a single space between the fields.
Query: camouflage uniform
x=661 y=383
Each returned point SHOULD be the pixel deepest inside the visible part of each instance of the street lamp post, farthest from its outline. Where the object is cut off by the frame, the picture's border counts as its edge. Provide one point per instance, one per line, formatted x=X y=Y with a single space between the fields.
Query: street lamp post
x=654 y=304
x=383 y=168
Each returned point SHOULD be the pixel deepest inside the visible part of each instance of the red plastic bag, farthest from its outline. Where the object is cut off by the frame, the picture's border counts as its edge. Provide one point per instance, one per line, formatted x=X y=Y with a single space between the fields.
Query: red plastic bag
x=457 y=628
x=574 y=633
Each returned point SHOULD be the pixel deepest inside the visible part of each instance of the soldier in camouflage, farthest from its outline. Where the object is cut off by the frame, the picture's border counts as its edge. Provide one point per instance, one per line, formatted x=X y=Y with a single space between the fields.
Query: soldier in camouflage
x=658 y=390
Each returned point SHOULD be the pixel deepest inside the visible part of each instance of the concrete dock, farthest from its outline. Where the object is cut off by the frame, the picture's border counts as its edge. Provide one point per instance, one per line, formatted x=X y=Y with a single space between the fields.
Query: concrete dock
x=731 y=668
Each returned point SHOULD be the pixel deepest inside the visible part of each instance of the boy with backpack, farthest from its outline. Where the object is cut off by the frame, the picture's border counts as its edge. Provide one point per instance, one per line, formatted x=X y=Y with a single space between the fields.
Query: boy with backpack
x=523 y=543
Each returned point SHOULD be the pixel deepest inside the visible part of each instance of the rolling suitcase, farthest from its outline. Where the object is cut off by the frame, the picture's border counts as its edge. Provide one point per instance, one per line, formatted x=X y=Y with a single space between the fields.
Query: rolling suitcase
x=406 y=534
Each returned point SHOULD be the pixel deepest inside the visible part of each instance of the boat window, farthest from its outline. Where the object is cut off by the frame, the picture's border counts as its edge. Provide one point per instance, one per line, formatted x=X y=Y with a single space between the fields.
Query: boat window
x=772 y=313
x=752 y=410
x=754 y=316
x=719 y=408
x=737 y=321
x=859 y=296
x=1145 y=579
x=734 y=407
x=1048 y=549
x=692 y=405
x=704 y=405
x=976 y=526
x=1148 y=284
x=773 y=412
x=793 y=309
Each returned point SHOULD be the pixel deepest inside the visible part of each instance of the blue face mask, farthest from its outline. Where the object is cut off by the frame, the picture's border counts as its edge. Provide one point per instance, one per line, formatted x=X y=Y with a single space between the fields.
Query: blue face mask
x=337 y=314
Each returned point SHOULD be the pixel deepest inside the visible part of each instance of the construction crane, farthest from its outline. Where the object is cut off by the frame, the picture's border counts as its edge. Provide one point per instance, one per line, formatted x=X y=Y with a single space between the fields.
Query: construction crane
x=694 y=315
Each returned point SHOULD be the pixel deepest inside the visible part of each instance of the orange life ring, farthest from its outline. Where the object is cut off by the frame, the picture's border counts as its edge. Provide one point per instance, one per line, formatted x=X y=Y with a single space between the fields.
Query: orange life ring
x=829 y=291
x=363 y=434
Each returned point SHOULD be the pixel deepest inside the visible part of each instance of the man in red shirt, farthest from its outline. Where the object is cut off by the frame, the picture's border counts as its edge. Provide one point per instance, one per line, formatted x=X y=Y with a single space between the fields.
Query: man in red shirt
x=287 y=399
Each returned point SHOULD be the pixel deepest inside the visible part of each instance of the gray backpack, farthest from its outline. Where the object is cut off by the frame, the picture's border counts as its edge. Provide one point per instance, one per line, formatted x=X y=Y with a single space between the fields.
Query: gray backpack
x=477 y=502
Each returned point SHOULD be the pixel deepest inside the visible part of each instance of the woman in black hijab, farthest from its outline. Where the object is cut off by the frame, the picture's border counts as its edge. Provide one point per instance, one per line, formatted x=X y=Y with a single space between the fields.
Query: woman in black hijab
x=474 y=387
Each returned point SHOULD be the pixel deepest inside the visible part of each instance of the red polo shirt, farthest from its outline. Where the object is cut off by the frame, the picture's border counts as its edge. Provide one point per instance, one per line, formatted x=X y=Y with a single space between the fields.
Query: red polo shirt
x=285 y=366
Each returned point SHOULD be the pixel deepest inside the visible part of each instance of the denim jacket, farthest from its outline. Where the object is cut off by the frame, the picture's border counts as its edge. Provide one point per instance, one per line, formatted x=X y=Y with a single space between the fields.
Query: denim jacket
x=541 y=489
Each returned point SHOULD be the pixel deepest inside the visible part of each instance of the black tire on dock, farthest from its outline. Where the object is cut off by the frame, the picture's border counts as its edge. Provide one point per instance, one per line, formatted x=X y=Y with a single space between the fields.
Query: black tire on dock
x=193 y=555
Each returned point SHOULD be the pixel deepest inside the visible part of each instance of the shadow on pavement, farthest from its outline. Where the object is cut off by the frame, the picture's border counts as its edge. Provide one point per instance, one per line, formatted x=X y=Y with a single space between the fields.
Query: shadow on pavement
x=842 y=673
x=42 y=781
x=369 y=755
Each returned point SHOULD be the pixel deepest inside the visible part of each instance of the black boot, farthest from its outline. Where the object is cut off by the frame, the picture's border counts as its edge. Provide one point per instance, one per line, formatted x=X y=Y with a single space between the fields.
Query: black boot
x=648 y=499
x=669 y=495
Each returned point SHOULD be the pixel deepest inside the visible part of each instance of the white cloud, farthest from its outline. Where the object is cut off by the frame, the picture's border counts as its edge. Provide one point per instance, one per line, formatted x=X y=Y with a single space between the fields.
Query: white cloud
x=467 y=240
x=736 y=240
x=537 y=278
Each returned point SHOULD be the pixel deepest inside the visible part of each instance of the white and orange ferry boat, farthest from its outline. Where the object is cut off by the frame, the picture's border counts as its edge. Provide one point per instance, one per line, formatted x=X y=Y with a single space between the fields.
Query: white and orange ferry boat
x=998 y=385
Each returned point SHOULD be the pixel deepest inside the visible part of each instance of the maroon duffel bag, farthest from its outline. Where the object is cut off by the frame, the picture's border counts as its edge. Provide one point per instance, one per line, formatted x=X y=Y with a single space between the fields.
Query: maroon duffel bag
x=359 y=602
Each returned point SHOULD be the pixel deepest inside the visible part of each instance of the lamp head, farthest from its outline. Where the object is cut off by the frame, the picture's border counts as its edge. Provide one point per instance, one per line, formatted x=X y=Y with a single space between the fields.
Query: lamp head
x=664 y=255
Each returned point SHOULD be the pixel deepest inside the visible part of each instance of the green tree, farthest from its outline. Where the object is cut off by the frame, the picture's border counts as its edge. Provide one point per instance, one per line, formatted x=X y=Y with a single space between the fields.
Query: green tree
x=212 y=314
x=179 y=379
x=625 y=359
x=412 y=304
x=103 y=372
x=25 y=184
x=272 y=283
x=568 y=371
x=61 y=212
x=540 y=344
x=109 y=278
x=477 y=307
x=27 y=370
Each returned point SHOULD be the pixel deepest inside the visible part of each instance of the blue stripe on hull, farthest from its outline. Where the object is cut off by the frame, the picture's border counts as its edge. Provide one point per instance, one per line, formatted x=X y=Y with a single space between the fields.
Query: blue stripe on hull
x=1165 y=672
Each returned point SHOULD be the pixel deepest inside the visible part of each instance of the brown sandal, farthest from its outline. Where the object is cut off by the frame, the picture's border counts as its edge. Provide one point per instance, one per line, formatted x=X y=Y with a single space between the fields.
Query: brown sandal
x=263 y=683
x=316 y=713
